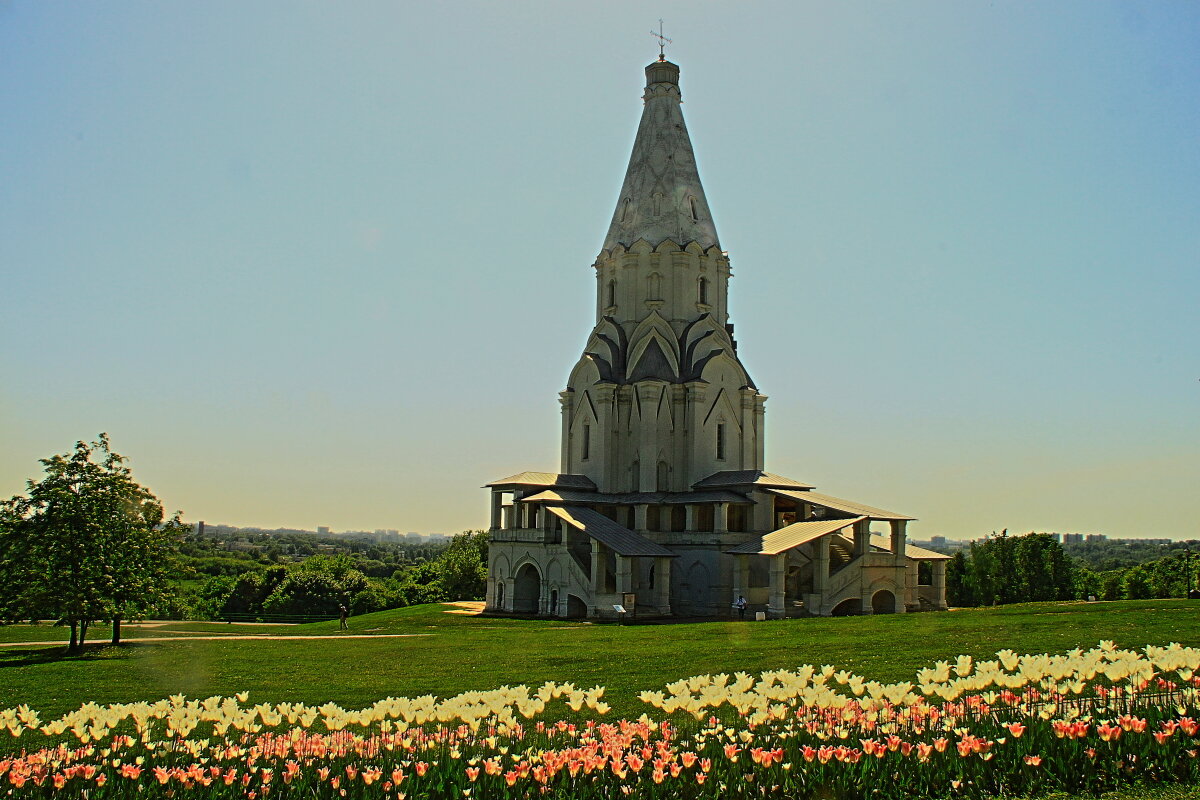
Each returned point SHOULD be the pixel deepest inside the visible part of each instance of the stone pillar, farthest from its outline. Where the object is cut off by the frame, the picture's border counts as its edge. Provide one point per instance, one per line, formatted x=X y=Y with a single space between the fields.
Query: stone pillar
x=939 y=584
x=497 y=509
x=566 y=402
x=640 y=512
x=749 y=443
x=625 y=565
x=597 y=571
x=491 y=593
x=662 y=584
x=899 y=541
x=509 y=583
x=764 y=512
x=821 y=567
x=760 y=416
x=862 y=538
x=777 y=607
x=721 y=518
x=544 y=598
x=689 y=523
x=741 y=576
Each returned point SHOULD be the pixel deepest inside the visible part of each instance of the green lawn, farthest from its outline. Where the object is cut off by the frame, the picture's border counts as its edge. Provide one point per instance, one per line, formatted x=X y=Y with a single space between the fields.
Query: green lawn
x=445 y=653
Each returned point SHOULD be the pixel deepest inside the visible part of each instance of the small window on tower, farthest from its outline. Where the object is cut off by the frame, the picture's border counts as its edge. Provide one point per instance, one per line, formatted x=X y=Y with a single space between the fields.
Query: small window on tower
x=703 y=291
x=692 y=205
x=625 y=210
x=720 y=441
x=612 y=293
x=586 y=445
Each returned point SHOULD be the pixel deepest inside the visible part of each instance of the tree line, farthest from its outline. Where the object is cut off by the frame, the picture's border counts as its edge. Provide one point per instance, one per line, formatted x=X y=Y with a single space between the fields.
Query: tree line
x=1005 y=569
x=87 y=543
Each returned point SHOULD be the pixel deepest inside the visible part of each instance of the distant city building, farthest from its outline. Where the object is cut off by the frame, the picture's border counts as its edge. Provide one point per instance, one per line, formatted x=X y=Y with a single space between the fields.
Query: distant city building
x=1096 y=537
x=1072 y=538
x=322 y=530
x=937 y=542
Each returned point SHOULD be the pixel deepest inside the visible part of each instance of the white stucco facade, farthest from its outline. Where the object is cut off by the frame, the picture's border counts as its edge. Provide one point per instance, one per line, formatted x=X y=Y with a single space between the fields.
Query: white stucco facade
x=662 y=503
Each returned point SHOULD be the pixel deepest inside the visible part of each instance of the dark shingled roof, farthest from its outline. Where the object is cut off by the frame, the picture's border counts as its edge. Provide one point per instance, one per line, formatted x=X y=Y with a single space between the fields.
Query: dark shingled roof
x=622 y=540
x=794 y=535
x=635 y=498
x=557 y=479
x=838 y=504
x=748 y=477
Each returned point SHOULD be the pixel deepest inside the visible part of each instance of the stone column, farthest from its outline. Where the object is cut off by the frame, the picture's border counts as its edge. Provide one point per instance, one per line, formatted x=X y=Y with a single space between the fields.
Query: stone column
x=509 y=584
x=597 y=571
x=497 y=509
x=721 y=518
x=625 y=566
x=689 y=523
x=640 y=512
x=821 y=567
x=760 y=413
x=899 y=541
x=544 y=598
x=566 y=402
x=741 y=576
x=491 y=592
x=662 y=584
x=939 y=584
x=862 y=538
x=777 y=606
x=764 y=512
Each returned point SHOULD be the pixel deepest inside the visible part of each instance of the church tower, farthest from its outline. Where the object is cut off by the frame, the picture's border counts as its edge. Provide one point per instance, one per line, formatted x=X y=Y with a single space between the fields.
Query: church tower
x=659 y=399
x=662 y=505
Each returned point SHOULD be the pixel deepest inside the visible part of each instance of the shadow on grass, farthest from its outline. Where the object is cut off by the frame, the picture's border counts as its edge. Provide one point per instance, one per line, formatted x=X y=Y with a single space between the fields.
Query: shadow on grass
x=100 y=651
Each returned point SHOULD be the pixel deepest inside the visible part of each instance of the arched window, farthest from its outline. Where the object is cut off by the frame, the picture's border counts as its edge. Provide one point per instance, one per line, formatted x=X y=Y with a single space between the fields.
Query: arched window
x=654 y=287
x=703 y=291
x=625 y=209
x=635 y=477
x=612 y=293
x=692 y=206
x=720 y=441
x=586 y=444
x=657 y=203
x=664 y=477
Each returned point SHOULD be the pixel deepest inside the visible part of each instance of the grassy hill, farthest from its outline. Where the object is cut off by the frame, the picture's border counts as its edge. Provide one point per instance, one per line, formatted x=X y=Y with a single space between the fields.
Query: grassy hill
x=431 y=649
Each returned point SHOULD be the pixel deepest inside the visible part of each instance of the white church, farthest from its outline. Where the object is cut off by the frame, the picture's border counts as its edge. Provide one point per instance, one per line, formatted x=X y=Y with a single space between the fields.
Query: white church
x=662 y=505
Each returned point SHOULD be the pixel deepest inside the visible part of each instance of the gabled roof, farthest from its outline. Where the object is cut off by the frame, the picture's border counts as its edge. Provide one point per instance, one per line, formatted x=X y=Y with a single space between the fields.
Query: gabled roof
x=910 y=550
x=794 y=535
x=558 y=479
x=838 y=504
x=748 y=477
x=661 y=197
x=568 y=497
x=622 y=540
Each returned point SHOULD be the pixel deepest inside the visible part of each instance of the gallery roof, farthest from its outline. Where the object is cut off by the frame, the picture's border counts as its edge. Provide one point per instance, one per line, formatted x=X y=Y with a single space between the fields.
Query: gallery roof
x=794 y=535
x=623 y=541
x=838 y=504
x=557 y=479
x=748 y=477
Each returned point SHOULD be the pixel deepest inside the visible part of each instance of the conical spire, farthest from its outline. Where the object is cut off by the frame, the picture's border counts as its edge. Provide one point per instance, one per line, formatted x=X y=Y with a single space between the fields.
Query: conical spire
x=661 y=197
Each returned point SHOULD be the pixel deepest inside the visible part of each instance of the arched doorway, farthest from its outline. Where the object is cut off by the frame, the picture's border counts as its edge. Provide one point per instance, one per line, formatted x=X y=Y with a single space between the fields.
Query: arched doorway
x=847 y=608
x=527 y=588
x=883 y=602
x=553 y=603
x=576 y=608
x=499 y=594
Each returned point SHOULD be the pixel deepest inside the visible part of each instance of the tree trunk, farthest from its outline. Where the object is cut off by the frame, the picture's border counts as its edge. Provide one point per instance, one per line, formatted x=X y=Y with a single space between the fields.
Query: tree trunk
x=116 y=630
x=83 y=626
x=74 y=645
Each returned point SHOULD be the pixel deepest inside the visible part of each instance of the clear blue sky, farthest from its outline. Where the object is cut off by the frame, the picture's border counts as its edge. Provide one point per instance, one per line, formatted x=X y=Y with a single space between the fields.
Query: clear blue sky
x=316 y=263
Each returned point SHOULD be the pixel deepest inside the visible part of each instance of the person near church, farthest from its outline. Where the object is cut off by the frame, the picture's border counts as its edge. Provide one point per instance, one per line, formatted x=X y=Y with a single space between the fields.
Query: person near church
x=342 y=615
x=740 y=605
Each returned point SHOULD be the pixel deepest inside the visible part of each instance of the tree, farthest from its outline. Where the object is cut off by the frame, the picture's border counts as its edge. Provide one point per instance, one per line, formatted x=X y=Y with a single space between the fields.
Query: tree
x=462 y=569
x=88 y=543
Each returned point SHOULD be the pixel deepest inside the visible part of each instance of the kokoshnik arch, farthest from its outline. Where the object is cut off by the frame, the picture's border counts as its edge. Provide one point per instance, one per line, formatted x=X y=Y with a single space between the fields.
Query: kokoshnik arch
x=662 y=491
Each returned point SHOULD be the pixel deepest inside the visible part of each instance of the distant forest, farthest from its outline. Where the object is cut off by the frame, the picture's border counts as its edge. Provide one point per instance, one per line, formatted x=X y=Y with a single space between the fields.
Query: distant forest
x=1005 y=569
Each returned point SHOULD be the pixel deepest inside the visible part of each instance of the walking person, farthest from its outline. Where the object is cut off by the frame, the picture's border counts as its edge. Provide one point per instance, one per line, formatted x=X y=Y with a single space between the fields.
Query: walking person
x=342 y=614
x=740 y=605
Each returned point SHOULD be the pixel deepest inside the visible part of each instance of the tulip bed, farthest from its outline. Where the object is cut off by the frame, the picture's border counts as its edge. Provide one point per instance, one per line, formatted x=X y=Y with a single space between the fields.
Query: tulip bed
x=1019 y=724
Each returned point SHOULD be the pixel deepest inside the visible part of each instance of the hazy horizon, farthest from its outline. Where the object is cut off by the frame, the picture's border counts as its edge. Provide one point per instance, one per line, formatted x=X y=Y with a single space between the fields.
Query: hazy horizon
x=329 y=265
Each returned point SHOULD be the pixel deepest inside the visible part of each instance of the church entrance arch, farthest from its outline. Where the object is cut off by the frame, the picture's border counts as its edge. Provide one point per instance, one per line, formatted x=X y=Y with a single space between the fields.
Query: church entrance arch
x=553 y=603
x=527 y=588
x=847 y=608
x=500 y=594
x=576 y=608
x=883 y=602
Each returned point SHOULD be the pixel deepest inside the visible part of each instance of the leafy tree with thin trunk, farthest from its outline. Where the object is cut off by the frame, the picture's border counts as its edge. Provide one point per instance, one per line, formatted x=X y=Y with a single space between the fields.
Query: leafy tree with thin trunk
x=87 y=543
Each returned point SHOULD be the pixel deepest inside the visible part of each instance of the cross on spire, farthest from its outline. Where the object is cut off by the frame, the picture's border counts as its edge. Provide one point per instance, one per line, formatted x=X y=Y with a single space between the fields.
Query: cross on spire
x=662 y=41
